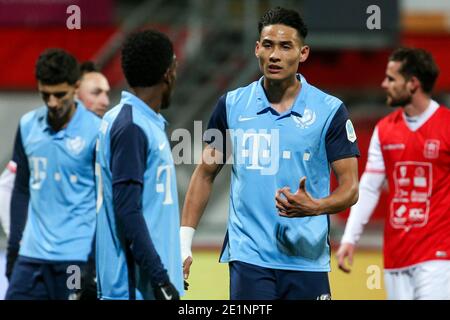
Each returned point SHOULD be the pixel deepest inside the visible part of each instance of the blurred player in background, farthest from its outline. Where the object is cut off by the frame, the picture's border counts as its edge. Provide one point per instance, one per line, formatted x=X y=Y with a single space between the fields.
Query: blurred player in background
x=411 y=149
x=94 y=89
x=54 y=190
x=138 y=253
x=93 y=92
x=6 y=186
x=291 y=130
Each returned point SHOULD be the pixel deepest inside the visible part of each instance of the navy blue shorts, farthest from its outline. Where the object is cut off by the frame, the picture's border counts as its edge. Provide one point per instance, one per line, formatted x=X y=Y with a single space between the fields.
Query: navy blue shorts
x=250 y=282
x=37 y=280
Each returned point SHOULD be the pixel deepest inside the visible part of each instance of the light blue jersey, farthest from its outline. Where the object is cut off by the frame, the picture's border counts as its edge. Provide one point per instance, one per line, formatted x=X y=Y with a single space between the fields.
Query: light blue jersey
x=61 y=211
x=271 y=151
x=132 y=122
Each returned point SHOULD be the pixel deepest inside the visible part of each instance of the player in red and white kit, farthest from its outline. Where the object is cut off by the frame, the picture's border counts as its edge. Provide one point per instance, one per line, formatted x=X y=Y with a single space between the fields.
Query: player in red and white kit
x=6 y=185
x=410 y=148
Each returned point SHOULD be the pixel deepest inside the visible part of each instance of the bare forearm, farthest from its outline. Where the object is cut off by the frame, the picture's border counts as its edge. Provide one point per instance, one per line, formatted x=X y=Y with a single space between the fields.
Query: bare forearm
x=197 y=198
x=343 y=197
x=346 y=194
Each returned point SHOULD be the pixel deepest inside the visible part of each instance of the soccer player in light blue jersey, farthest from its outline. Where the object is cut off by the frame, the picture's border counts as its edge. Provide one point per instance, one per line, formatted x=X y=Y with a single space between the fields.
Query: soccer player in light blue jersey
x=54 y=192
x=138 y=240
x=285 y=134
x=93 y=92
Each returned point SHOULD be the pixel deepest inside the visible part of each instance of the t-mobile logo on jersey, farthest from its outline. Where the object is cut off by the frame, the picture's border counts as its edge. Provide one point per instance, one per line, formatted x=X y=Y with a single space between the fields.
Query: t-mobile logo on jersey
x=165 y=187
x=258 y=150
x=38 y=170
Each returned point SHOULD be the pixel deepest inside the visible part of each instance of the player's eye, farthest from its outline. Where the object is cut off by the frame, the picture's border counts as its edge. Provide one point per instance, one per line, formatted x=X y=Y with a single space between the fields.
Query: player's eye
x=57 y=95
x=60 y=95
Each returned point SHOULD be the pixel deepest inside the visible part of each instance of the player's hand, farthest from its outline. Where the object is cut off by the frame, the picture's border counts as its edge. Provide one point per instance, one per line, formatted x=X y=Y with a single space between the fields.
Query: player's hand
x=345 y=251
x=166 y=291
x=187 y=268
x=298 y=204
x=11 y=257
x=186 y=236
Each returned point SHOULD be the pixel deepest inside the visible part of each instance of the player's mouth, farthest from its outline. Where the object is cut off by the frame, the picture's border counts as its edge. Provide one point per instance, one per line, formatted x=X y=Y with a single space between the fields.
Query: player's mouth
x=273 y=68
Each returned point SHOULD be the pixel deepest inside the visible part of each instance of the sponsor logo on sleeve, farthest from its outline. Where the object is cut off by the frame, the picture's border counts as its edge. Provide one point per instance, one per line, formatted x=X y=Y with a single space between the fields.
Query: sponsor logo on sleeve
x=351 y=134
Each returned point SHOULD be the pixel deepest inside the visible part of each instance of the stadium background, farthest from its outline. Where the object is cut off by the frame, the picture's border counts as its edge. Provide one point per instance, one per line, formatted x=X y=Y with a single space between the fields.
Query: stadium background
x=214 y=42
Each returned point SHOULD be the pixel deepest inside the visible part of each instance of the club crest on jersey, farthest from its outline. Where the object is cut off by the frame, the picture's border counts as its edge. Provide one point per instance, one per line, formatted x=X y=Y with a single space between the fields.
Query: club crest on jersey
x=431 y=149
x=75 y=145
x=351 y=134
x=308 y=118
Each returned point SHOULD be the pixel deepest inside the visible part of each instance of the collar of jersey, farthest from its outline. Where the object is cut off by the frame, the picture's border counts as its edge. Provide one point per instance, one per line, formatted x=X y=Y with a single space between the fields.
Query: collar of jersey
x=129 y=98
x=298 y=107
x=72 y=128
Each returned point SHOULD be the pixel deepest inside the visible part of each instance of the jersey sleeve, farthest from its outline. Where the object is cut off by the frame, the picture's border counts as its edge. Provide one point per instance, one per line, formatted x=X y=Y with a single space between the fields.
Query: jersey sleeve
x=369 y=193
x=129 y=147
x=341 y=140
x=218 y=121
x=370 y=186
x=20 y=195
x=375 y=161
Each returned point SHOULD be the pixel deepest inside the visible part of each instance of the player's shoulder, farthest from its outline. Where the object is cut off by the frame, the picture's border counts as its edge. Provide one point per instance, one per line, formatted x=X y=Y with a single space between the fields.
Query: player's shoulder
x=89 y=120
x=37 y=114
x=321 y=99
x=240 y=94
x=392 y=118
x=444 y=112
x=441 y=119
x=123 y=119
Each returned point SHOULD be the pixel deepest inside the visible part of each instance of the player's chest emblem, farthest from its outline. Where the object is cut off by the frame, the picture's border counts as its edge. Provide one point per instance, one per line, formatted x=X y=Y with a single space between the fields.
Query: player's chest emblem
x=75 y=145
x=308 y=118
x=431 y=149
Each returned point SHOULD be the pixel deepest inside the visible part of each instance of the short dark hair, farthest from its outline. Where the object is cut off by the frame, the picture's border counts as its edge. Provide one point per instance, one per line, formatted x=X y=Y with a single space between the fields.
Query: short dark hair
x=146 y=56
x=55 y=66
x=418 y=63
x=287 y=17
x=88 y=66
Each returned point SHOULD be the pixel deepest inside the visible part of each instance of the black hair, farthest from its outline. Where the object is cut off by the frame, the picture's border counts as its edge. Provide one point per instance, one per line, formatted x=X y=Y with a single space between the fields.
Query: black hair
x=88 y=66
x=286 y=17
x=55 y=66
x=417 y=63
x=146 y=56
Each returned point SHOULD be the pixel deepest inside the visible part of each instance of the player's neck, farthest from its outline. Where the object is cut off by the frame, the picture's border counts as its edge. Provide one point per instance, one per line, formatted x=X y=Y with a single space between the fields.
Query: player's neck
x=62 y=123
x=282 y=94
x=151 y=96
x=418 y=105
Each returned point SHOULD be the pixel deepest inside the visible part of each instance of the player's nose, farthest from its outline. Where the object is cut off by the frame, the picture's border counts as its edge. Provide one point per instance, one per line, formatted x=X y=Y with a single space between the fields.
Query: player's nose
x=52 y=102
x=104 y=99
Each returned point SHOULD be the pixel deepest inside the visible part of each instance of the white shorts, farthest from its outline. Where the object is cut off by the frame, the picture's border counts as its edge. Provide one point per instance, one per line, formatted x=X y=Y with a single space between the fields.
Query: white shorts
x=428 y=280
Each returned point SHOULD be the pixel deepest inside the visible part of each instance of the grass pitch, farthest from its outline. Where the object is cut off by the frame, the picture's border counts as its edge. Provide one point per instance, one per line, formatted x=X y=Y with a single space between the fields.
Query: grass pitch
x=209 y=278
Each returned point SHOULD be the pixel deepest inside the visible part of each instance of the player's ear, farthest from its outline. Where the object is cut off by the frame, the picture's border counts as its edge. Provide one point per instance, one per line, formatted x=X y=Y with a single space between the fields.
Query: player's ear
x=413 y=84
x=168 y=77
x=77 y=85
x=257 y=46
x=171 y=72
x=304 y=53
